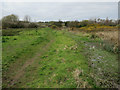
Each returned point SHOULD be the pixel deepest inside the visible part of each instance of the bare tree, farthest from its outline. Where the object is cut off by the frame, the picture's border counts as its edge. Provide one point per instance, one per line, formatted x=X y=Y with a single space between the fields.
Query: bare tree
x=27 y=18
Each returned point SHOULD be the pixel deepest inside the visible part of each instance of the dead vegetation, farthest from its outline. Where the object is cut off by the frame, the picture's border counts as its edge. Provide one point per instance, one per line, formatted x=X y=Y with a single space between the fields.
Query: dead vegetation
x=111 y=36
x=79 y=80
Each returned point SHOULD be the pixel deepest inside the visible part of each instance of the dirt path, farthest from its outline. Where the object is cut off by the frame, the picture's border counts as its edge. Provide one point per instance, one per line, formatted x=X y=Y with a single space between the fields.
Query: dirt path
x=27 y=63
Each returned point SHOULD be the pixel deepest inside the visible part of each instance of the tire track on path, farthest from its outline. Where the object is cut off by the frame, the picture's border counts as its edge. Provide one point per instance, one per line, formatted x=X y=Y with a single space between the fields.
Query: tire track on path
x=21 y=72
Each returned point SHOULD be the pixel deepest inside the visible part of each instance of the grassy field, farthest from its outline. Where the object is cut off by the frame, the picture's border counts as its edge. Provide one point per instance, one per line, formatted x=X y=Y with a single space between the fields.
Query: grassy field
x=47 y=58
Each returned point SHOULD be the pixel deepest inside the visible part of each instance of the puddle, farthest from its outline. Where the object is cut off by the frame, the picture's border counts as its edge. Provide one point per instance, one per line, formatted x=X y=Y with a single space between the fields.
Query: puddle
x=93 y=60
x=100 y=63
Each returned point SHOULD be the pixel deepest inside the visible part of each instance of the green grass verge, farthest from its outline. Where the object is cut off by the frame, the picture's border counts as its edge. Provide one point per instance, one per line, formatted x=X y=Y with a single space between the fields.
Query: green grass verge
x=65 y=63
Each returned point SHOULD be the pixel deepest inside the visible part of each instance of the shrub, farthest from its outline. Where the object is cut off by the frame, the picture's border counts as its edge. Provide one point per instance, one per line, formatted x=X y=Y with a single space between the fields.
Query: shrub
x=54 y=27
x=32 y=25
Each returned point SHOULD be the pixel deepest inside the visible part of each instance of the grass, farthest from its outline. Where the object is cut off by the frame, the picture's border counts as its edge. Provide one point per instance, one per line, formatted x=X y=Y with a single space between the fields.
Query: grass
x=59 y=65
x=103 y=70
x=20 y=46
x=100 y=61
x=49 y=58
x=108 y=34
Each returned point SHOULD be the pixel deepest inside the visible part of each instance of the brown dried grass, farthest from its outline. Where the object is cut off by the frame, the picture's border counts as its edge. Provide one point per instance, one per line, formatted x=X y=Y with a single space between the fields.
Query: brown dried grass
x=111 y=36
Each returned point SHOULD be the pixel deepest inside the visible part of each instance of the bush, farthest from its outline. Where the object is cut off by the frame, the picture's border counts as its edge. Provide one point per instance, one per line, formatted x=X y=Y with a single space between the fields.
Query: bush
x=54 y=27
x=32 y=25
x=11 y=32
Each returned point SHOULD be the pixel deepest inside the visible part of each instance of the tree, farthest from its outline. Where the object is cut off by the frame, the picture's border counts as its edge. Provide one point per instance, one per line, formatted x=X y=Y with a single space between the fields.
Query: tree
x=10 y=18
x=27 y=18
x=9 y=21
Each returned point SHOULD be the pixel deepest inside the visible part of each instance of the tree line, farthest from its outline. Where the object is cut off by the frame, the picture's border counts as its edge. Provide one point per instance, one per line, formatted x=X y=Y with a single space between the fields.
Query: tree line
x=13 y=21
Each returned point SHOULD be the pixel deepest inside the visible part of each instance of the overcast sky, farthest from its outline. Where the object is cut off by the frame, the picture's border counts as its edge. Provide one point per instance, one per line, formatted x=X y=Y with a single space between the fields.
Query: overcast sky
x=59 y=0
x=48 y=11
